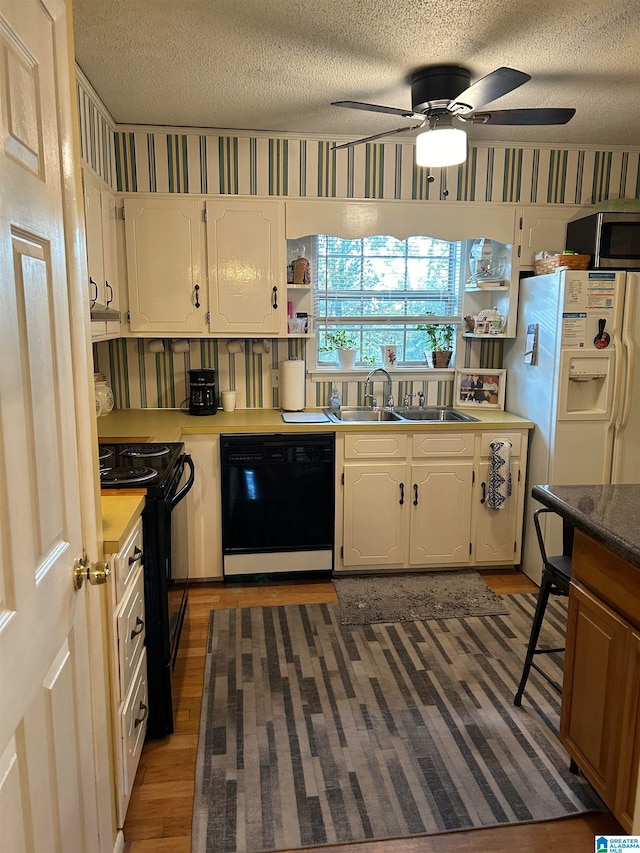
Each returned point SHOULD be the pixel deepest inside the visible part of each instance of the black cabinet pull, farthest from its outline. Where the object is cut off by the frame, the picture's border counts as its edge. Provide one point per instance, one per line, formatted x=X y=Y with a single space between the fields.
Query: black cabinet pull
x=139 y=627
x=137 y=554
x=141 y=719
x=93 y=298
x=415 y=494
x=483 y=486
x=197 y=292
x=275 y=297
x=110 y=299
x=401 y=493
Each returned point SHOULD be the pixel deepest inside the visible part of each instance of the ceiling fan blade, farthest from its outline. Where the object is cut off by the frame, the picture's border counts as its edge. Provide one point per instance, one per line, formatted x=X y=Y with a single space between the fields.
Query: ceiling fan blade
x=489 y=88
x=376 y=108
x=543 y=115
x=376 y=136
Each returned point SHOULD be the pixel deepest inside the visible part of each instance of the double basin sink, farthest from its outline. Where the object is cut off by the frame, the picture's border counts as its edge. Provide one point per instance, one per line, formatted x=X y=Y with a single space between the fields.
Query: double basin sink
x=364 y=414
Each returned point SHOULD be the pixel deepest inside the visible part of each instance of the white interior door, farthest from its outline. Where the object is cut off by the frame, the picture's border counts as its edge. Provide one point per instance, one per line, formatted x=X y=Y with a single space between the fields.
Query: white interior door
x=47 y=768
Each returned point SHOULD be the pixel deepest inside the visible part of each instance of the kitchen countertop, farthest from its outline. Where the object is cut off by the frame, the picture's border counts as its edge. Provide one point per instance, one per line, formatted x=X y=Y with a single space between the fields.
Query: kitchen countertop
x=119 y=515
x=173 y=425
x=608 y=514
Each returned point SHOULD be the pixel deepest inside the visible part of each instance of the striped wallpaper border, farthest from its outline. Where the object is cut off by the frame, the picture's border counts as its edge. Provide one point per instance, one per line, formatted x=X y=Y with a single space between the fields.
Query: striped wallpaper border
x=148 y=160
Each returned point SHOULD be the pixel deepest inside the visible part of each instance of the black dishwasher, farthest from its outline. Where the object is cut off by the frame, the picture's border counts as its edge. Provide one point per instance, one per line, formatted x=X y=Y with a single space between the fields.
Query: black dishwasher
x=278 y=504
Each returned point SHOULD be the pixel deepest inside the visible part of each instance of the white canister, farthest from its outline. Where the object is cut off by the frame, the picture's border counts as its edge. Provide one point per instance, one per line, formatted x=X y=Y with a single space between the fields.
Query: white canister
x=104 y=395
x=292 y=385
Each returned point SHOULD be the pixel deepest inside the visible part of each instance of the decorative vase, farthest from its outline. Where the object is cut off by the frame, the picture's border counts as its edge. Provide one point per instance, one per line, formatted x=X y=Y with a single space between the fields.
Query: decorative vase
x=389 y=355
x=346 y=358
x=441 y=358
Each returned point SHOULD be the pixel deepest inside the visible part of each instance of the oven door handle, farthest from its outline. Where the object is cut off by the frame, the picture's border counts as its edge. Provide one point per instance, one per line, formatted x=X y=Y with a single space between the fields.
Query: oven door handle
x=186 y=460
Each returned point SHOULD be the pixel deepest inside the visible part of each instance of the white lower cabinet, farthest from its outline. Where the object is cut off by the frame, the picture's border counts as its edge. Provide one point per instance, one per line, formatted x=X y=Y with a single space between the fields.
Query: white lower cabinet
x=420 y=501
x=440 y=507
x=497 y=534
x=196 y=521
x=375 y=497
x=128 y=663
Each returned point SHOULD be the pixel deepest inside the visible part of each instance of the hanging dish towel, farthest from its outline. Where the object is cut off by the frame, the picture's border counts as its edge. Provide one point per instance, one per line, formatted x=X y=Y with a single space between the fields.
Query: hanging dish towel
x=499 y=474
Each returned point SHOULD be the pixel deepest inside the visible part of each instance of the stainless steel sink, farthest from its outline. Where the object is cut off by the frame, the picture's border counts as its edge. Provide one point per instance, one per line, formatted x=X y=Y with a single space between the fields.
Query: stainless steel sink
x=365 y=414
x=361 y=414
x=435 y=414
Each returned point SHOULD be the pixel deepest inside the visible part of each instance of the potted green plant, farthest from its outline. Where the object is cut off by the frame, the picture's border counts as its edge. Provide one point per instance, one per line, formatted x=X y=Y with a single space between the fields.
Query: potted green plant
x=439 y=342
x=344 y=344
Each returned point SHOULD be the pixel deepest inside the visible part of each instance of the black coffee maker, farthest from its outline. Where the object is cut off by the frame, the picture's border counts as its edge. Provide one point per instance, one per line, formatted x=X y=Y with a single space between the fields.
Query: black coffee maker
x=203 y=399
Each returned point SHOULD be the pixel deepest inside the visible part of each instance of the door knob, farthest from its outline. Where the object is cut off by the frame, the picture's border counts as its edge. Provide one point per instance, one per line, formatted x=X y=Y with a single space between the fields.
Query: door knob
x=94 y=573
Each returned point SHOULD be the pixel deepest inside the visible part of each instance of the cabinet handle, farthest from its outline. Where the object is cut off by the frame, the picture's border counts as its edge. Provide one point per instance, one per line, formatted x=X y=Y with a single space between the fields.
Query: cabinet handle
x=275 y=297
x=139 y=627
x=93 y=298
x=110 y=289
x=142 y=718
x=401 y=493
x=137 y=554
x=415 y=494
x=483 y=486
x=197 y=293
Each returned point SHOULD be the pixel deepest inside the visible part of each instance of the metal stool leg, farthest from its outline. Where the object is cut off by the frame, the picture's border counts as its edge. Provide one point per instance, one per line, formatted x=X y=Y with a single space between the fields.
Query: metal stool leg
x=541 y=606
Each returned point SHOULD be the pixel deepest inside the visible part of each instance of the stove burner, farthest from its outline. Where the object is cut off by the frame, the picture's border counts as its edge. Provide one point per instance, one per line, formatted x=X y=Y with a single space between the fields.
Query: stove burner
x=142 y=450
x=128 y=475
x=104 y=453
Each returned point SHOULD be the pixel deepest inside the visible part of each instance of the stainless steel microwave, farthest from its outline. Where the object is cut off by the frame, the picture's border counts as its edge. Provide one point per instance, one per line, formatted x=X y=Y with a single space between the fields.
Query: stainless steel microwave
x=611 y=238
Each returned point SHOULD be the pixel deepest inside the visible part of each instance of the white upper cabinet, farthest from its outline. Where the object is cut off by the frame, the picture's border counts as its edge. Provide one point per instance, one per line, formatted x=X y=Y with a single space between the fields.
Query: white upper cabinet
x=247 y=259
x=102 y=259
x=544 y=229
x=164 y=245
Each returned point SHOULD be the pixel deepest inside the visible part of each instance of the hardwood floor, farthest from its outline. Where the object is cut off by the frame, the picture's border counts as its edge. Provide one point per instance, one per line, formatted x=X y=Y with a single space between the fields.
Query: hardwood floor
x=159 y=816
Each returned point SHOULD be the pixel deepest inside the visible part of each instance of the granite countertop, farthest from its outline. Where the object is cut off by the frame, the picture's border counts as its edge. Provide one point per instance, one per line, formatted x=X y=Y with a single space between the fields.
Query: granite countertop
x=173 y=425
x=609 y=514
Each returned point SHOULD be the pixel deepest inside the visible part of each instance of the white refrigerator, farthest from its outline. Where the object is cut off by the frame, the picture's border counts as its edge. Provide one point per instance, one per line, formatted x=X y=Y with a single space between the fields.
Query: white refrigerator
x=573 y=370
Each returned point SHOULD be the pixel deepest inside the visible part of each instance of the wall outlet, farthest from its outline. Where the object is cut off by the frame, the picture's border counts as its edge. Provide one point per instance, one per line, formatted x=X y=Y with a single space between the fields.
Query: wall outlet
x=275 y=379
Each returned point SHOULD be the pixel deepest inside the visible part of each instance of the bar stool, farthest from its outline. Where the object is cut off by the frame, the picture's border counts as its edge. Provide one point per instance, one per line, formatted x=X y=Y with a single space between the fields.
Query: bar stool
x=556 y=578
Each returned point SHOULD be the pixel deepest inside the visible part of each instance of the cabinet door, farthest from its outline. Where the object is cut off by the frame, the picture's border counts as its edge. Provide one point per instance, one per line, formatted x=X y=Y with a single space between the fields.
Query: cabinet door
x=164 y=265
x=629 y=739
x=543 y=229
x=196 y=521
x=440 y=501
x=497 y=532
x=247 y=266
x=95 y=251
x=375 y=510
x=594 y=689
x=110 y=254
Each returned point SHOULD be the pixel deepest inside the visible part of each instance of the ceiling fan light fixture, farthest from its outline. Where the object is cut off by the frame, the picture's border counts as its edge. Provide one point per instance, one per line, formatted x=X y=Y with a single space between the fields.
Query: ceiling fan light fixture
x=442 y=146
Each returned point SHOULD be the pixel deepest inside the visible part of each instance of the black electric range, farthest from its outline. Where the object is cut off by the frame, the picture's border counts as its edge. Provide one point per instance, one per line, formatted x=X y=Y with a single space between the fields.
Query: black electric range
x=147 y=465
x=160 y=470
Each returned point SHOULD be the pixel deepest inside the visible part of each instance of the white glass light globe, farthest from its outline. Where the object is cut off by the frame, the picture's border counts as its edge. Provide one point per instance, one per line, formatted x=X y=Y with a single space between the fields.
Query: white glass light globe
x=443 y=146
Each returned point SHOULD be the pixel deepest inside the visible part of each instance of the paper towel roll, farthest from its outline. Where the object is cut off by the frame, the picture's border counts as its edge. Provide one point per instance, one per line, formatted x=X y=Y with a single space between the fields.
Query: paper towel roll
x=292 y=385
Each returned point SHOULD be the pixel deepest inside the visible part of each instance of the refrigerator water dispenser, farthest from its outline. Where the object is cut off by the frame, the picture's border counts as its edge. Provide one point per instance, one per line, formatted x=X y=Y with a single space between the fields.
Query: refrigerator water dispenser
x=585 y=386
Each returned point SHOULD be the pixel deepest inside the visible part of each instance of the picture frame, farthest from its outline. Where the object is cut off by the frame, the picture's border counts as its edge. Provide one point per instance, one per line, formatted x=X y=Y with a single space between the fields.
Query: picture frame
x=479 y=388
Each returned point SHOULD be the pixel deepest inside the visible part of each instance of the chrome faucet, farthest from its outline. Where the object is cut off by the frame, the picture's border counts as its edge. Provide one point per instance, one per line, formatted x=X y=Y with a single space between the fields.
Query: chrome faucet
x=390 y=401
x=420 y=400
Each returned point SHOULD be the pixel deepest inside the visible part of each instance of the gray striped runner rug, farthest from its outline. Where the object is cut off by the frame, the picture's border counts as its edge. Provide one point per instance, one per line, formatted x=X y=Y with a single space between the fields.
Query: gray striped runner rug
x=313 y=732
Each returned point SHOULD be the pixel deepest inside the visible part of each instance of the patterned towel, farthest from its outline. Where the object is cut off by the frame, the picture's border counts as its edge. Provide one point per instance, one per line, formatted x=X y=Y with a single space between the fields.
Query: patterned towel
x=499 y=474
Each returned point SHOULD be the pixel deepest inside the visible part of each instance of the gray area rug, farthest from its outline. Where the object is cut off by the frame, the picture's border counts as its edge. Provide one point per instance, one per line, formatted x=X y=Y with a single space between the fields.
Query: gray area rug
x=407 y=597
x=313 y=732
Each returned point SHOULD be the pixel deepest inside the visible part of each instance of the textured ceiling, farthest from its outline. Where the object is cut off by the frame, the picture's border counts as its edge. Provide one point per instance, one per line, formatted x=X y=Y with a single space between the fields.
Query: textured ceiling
x=275 y=65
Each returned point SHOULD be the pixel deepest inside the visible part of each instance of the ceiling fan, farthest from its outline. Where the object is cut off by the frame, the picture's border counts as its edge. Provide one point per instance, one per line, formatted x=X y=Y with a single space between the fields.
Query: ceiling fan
x=441 y=94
